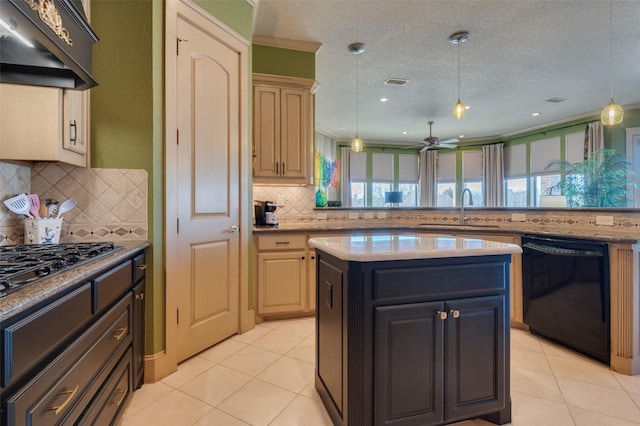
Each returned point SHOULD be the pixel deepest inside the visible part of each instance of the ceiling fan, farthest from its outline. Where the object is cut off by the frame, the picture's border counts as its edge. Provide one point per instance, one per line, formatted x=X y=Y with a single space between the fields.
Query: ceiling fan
x=433 y=142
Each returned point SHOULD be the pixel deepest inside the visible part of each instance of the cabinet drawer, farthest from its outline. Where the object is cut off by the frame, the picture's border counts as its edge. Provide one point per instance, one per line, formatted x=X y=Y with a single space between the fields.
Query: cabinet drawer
x=111 y=400
x=112 y=285
x=53 y=326
x=282 y=242
x=52 y=396
x=139 y=267
x=444 y=281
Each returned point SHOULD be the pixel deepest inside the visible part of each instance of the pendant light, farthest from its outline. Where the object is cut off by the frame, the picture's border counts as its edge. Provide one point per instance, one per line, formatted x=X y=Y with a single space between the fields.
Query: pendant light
x=613 y=113
x=459 y=110
x=356 y=49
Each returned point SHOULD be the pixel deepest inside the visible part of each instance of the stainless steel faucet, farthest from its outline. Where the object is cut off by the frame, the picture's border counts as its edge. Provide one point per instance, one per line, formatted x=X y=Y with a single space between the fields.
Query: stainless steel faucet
x=467 y=190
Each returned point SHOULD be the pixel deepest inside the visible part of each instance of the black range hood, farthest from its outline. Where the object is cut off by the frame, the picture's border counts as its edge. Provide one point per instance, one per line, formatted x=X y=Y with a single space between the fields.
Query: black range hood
x=61 y=39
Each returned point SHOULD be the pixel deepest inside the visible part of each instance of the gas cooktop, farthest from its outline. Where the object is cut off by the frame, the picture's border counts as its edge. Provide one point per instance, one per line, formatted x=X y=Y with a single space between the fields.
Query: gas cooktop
x=21 y=265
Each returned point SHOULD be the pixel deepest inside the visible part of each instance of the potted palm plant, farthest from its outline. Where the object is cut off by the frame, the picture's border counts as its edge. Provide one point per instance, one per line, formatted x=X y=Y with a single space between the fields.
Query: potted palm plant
x=600 y=180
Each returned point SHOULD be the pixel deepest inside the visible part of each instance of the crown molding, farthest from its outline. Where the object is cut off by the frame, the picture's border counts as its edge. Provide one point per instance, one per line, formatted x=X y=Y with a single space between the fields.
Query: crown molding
x=284 y=43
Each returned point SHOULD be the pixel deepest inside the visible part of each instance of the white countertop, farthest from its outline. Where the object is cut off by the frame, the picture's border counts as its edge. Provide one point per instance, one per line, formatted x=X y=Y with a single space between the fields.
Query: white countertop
x=371 y=248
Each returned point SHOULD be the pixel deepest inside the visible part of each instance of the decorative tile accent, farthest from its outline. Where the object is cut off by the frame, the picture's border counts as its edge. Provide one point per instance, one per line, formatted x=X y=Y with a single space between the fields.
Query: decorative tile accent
x=112 y=203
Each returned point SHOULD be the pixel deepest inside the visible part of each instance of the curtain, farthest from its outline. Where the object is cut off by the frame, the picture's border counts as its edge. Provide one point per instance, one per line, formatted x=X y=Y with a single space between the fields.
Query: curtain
x=345 y=176
x=428 y=189
x=493 y=175
x=593 y=138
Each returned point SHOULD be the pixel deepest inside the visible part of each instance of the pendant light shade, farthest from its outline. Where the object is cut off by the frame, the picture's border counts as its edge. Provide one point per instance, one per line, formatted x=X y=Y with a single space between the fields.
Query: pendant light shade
x=613 y=113
x=459 y=110
x=356 y=49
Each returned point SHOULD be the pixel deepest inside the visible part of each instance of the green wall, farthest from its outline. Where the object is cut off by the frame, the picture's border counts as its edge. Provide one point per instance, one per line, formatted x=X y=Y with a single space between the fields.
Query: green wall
x=279 y=61
x=127 y=112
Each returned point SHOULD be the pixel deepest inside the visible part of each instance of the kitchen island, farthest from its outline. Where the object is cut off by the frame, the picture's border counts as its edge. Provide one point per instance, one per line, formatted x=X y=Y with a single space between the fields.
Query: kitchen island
x=412 y=329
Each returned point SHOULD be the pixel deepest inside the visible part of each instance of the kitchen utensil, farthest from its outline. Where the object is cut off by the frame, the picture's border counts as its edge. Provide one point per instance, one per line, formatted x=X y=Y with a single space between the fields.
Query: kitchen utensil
x=19 y=204
x=66 y=206
x=34 y=202
x=52 y=207
x=43 y=211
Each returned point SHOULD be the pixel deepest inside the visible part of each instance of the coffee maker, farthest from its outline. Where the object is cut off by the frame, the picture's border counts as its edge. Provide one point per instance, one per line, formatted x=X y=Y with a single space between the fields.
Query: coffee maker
x=265 y=213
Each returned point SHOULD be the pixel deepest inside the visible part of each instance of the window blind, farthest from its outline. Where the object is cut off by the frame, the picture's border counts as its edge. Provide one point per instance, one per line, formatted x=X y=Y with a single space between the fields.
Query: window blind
x=408 y=168
x=382 y=167
x=515 y=161
x=574 y=147
x=471 y=166
x=447 y=167
x=358 y=166
x=542 y=153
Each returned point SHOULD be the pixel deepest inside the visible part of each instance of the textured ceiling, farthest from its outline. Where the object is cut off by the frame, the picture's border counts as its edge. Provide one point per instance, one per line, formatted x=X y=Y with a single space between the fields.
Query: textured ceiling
x=519 y=54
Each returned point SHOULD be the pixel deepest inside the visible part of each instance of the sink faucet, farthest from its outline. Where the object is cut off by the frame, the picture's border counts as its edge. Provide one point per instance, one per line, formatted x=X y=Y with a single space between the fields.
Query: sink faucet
x=467 y=190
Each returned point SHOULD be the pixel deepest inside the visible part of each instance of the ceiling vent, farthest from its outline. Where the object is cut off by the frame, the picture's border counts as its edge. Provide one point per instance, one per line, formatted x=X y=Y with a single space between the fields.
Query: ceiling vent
x=396 y=81
x=555 y=100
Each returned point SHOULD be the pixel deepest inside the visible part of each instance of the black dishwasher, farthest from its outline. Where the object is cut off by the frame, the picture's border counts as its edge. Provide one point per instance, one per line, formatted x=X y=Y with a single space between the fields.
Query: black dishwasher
x=566 y=292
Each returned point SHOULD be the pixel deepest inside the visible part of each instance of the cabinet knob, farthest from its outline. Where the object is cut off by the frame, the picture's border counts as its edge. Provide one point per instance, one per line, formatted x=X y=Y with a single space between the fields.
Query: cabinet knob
x=140 y=296
x=442 y=315
x=302 y=258
x=454 y=313
x=142 y=267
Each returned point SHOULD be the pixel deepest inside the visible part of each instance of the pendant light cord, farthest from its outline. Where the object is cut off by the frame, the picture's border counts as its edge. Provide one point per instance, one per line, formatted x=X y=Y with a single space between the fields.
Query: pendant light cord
x=611 y=47
x=458 y=71
x=357 y=92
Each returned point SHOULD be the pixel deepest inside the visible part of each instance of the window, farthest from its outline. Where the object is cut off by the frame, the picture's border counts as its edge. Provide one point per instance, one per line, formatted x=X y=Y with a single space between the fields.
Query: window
x=374 y=173
x=446 y=177
x=542 y=153
x=515 y=176
x=472 y=175
x=408 y=179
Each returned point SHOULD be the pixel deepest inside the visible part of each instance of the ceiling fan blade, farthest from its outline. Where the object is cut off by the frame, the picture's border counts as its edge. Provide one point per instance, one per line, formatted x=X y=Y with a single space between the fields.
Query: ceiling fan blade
x=450 y=140
x=446 y=145
x=413 y=146
x=427 y=147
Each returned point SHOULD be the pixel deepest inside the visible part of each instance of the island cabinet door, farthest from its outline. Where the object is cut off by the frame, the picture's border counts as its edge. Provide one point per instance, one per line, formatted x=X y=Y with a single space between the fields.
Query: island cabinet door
x=475 y=357
x=408 y=376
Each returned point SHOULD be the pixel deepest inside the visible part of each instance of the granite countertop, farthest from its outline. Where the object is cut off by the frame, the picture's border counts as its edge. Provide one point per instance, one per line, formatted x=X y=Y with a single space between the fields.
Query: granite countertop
x=325 y=227
x=372 y=248
x=43 y=289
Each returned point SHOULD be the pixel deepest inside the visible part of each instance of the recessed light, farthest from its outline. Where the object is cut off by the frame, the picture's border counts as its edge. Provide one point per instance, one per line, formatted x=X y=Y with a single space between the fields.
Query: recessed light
x=383 y=100
x=536 y=114
x=405 y=132
x=461 y=136
x=467 y=107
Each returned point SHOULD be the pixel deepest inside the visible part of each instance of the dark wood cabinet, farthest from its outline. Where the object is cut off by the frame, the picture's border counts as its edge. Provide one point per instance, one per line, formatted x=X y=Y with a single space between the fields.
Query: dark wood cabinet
x=413 y=342
x=76 y=358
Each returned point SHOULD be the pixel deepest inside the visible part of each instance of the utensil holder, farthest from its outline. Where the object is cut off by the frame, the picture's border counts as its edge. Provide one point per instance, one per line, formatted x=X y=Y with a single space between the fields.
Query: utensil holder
x=42 y=231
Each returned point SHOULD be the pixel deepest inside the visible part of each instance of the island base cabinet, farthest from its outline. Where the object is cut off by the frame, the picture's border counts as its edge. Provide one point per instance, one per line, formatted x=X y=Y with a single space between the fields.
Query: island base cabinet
x=413 y=342
x=455 y=346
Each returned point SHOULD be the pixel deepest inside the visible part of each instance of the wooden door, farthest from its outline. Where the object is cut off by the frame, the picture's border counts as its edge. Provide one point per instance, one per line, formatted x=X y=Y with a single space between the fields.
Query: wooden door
x=408 y=383
x=282 y=282
x=477 y=365
x=208 y=249
x=266 y=131
x=294 y=140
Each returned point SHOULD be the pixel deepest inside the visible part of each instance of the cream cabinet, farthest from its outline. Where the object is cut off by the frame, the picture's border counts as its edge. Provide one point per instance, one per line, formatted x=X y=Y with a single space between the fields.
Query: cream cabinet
x=282 y=130
x=44 y=124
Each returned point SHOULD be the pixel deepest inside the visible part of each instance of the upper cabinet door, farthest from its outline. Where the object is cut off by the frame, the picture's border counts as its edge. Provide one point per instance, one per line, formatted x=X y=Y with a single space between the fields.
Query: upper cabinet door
x=282 y=130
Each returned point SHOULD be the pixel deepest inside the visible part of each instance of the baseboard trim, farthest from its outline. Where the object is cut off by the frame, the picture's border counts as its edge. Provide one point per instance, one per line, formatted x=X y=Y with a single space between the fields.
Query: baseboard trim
x=156 y=367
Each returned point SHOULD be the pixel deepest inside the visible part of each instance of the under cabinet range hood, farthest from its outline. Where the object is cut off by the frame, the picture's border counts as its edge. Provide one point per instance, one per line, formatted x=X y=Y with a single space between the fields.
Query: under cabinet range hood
x=46 y=43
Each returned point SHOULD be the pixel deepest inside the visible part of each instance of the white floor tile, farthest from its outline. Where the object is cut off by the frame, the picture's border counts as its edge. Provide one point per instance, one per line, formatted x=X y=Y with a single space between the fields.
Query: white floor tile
x=257 y=403
x=252 y=335
x=251 y=360
x=601 y=399
x=524 y=340
x=187 y=370
x=215 y=385
x=289 y=373
x=219 y=418
x=588 y=418
x=530 y=360
x=584 y=370
x=310 y=390
x=145 y=396
x=174 y=409
x=527 y=410
x=222 y=350
x=303 y=411
x=305 y=350
x=302 y=327
x=629 y=383
x=535 y=383
x=278 y=341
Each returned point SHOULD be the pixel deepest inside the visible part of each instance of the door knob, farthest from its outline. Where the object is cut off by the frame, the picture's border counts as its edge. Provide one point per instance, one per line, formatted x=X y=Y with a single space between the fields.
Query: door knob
x=233 y=229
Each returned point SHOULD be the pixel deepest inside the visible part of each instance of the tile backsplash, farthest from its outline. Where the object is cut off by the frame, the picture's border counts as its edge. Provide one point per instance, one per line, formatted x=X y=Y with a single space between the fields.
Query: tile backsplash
x=112 y=203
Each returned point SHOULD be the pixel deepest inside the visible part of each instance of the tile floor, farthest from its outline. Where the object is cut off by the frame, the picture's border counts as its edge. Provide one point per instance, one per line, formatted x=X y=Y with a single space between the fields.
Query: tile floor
x=265 y=377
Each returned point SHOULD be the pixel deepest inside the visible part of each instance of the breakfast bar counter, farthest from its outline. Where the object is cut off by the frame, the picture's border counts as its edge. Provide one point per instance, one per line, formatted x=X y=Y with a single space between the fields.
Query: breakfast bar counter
x=412 y=329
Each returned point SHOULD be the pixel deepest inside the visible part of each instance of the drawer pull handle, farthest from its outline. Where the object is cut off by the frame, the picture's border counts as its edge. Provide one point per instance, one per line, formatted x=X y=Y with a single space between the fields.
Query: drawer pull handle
x=442 y=315
x=118 y=402
x=122 y=331
x=140 y=296
x=142 y=266
x=280 y=243
x=66 y=402
x=454 y=313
